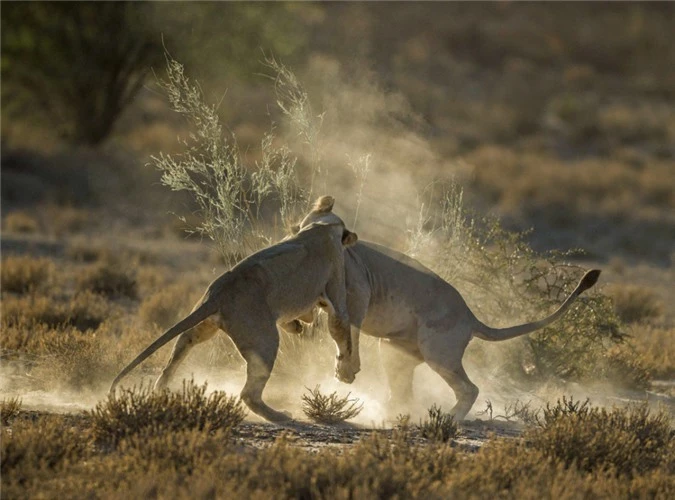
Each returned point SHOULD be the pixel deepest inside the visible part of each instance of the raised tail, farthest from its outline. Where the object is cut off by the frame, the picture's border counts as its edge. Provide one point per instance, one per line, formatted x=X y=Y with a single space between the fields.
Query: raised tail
x=202 y=312
x=485 y=332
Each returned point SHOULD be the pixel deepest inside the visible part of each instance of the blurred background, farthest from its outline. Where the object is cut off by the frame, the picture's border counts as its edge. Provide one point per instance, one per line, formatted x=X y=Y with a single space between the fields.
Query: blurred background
x=558 y=119
x=553 y=116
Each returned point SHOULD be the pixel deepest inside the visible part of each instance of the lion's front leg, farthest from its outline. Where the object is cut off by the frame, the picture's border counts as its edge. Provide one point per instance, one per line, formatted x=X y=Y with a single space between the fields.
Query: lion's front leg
x=356 y=357
x=341 y=334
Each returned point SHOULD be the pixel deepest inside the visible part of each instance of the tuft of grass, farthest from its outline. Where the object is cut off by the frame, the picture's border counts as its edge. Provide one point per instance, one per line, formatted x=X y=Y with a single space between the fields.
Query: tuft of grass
x=142 y=411
x=24 y=274
x=331 y=408
x=83 y=251
x=628 y=441
x=68 y=220
x=85 y=311
x=20 y=222
x=438 y=426
x=164 y=308
x=656 y=346
x=9 y=408
x=635 y=303
x=30 y=448
x=106 y=279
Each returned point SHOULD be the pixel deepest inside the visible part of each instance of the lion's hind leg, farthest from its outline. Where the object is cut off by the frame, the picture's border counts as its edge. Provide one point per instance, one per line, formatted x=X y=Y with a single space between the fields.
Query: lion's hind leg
x=258 y=342
x=466 y=391
x=186 y=341
x=399 y=360
x=443 y=353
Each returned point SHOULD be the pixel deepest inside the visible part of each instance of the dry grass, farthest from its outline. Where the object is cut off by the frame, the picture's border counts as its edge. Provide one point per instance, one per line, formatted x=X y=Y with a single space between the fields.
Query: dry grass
x=438 y=426
x=165 y=307
x=655 y=344
x=84 y=311
x=109 y=279
x=576 y=452
x=142 y=411
x=20 y=222
x=85 y=251
x=9 y=408
x=635 y=303
x=331 y=408
x=25 y=274
x=31 y=450
x=626 y=441
x=64 y=221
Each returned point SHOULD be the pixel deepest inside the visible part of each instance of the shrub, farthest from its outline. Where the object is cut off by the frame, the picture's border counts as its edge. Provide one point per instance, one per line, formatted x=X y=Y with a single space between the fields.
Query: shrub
x=438 y=426
x=136 y=411
x=83 y=251
x=627 y=441
x=657 y=348
x=20 y=222
x=78 y=360
x=165 y=307
x=31 y=446
x=67 y=220
x=635 y=303
x=9 y=408
x=106 y=280
x=25 y=274
x=329 y=409
x=182 y=450
x=85 y=311
x=231 y=195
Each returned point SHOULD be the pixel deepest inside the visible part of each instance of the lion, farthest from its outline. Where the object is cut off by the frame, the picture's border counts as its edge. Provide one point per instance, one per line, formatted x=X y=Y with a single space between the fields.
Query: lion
x=419 y=317
x=273 y=285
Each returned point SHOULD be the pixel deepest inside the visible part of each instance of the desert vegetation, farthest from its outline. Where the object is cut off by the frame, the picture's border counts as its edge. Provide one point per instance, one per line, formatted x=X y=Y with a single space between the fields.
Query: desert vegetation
x=508 y=147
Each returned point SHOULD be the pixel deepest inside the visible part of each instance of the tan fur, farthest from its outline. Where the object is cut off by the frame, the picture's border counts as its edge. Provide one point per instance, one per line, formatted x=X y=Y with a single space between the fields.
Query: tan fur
x=276 y=284
x=420 y=318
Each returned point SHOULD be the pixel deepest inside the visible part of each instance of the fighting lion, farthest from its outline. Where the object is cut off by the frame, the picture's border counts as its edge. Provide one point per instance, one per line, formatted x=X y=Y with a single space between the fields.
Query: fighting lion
x=419 y=317
x=276 y=284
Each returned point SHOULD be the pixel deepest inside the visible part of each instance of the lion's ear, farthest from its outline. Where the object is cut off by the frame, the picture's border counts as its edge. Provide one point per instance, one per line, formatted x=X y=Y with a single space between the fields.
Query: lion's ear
x=348 y=238
x=324 y=204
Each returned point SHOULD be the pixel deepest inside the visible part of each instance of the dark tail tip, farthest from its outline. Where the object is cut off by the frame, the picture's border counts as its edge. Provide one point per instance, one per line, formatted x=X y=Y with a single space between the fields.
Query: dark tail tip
x=589 y=279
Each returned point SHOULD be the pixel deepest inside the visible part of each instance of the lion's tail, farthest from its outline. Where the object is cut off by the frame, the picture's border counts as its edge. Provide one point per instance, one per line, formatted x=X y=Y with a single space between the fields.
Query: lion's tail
x=485 y=332
x=206 y=309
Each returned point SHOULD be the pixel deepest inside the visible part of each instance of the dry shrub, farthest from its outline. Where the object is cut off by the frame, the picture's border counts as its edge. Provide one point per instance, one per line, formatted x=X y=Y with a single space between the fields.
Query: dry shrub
x=75 y=359
x=136 y=411
x=635 y=303
x=627 y=367
x=108 y=279
x=44 y=444
x=25 y=274
x=182 y=450
x=85 y=311
x=438 y=426
x=68 y=220
x=83 y=251
x=9 y=408
x=657 y=348
x=20 y=222
x=628 y=441
x=165 y=307
x=329 y=409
